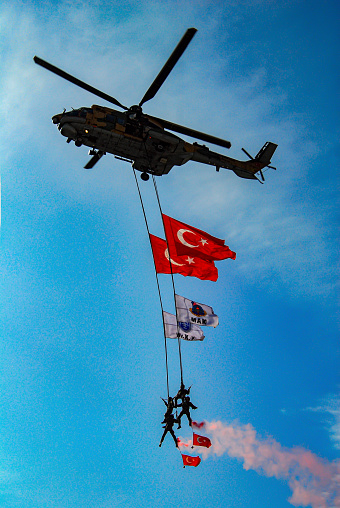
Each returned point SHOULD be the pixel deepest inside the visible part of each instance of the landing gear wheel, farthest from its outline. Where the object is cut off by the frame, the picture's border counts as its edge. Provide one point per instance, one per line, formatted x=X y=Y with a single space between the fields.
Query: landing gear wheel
x=144 y=177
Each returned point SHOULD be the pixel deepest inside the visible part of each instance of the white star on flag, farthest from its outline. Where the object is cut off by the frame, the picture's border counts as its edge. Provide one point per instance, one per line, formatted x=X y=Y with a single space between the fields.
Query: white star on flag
x=190 y=260
x=203 y=241
x=186 y=240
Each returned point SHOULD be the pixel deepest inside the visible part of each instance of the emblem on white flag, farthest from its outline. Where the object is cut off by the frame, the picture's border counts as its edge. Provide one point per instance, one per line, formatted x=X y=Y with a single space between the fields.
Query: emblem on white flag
x=195 y=313
x=181 y=329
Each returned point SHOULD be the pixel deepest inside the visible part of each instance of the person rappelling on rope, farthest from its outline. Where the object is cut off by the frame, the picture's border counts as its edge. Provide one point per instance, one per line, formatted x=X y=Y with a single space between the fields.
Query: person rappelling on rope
x=170 y=405
x=186 y=405
x=182 y=392
x=169 y=421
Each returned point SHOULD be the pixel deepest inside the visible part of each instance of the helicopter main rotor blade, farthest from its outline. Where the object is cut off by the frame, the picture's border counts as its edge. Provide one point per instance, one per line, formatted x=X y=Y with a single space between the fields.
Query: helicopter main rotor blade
x=169 y=65
x=77 y=82
x=190 y=132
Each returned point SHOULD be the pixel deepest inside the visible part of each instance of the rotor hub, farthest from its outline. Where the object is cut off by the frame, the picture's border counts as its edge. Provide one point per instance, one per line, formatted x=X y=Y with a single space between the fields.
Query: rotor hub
x=135 y=112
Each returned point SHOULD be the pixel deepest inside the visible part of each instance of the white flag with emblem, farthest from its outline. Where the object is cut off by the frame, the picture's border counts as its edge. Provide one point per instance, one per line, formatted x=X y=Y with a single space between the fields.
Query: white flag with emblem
x=195 y=313
x=181 y=330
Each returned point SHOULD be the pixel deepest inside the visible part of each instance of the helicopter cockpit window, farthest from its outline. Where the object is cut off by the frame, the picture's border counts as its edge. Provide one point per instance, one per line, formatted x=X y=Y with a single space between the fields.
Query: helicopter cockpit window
x=75 y=112
x=85 y=111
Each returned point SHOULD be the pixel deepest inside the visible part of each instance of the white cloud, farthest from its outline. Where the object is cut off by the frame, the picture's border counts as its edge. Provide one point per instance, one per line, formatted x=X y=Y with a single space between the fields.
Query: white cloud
x=330 y=408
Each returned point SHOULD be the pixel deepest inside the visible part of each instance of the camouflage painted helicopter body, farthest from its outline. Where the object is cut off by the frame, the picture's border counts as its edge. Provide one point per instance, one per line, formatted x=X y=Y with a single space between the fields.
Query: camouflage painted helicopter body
x=146 y=145
x=142 y=139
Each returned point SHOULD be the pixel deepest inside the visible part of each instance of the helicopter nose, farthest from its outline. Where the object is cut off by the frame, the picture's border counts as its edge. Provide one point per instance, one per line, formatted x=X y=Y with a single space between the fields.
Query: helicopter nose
x=56 y=118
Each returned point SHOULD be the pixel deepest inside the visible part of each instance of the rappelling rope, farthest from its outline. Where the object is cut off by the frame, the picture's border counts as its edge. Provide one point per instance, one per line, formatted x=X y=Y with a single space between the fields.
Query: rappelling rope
x=172 y=276
x=159 y=291
x=172 y=279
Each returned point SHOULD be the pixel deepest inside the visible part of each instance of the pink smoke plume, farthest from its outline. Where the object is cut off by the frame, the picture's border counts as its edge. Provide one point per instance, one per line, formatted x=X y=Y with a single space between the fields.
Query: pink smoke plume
x=314 y=481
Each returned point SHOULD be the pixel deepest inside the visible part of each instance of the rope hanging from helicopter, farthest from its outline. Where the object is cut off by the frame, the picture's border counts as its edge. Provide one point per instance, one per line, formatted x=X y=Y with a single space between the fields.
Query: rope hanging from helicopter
x=158 y=287
x=170 y=262
x=157 y=280
x=172 y=279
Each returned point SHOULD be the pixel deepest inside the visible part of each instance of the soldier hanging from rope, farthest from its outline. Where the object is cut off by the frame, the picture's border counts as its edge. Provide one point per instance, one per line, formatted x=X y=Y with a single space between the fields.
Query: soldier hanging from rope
x=169 y=421
x=186 y=405
x=170 y=405
x=182 y=392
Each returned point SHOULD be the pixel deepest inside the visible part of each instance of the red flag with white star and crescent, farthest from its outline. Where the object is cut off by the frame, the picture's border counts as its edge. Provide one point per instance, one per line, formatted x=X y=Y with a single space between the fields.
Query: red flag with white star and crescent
x=201 y=441
x=185 y=265
x=188 y=460
x=185 y=239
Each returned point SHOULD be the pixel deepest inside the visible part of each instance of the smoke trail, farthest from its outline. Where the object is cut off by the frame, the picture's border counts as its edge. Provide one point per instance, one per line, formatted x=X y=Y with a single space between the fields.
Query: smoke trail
x=314 y=481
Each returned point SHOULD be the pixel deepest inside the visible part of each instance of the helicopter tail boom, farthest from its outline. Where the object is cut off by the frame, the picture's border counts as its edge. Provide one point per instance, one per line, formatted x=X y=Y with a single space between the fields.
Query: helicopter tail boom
x=243 y=169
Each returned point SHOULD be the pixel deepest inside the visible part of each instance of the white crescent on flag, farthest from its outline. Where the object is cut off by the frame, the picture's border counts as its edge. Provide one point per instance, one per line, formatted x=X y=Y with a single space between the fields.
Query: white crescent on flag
x=180 y=237
x=190 y=460
x=166 y=254
x=201 y=441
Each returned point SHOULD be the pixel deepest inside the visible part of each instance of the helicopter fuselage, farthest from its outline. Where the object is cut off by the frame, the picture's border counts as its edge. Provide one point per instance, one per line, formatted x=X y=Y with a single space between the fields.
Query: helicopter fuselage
x=146 y=145
x=141 y=140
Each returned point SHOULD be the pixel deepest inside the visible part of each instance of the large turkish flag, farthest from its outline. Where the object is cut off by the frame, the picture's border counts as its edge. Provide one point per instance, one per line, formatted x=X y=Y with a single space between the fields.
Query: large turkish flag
x=185 y=265
x=185 y=239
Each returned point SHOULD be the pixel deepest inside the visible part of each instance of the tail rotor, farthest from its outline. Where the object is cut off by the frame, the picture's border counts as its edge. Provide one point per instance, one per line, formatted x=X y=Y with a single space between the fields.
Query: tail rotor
x=263 y=157
x=252 y=158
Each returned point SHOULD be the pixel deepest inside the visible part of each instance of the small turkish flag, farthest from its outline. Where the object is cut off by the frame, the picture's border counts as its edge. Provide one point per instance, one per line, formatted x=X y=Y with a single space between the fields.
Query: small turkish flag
x=201 y=441
x=198 y=425
x=185 y=239
x=185 y=265
x=188 y=460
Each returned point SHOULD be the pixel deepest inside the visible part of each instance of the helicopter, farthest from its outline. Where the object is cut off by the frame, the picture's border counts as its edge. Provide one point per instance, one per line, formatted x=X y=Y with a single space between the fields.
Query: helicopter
x=142 y=140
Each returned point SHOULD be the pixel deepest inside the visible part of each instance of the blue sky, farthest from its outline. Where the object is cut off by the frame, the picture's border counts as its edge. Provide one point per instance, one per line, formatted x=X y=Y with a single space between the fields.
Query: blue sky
x=82 y=350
